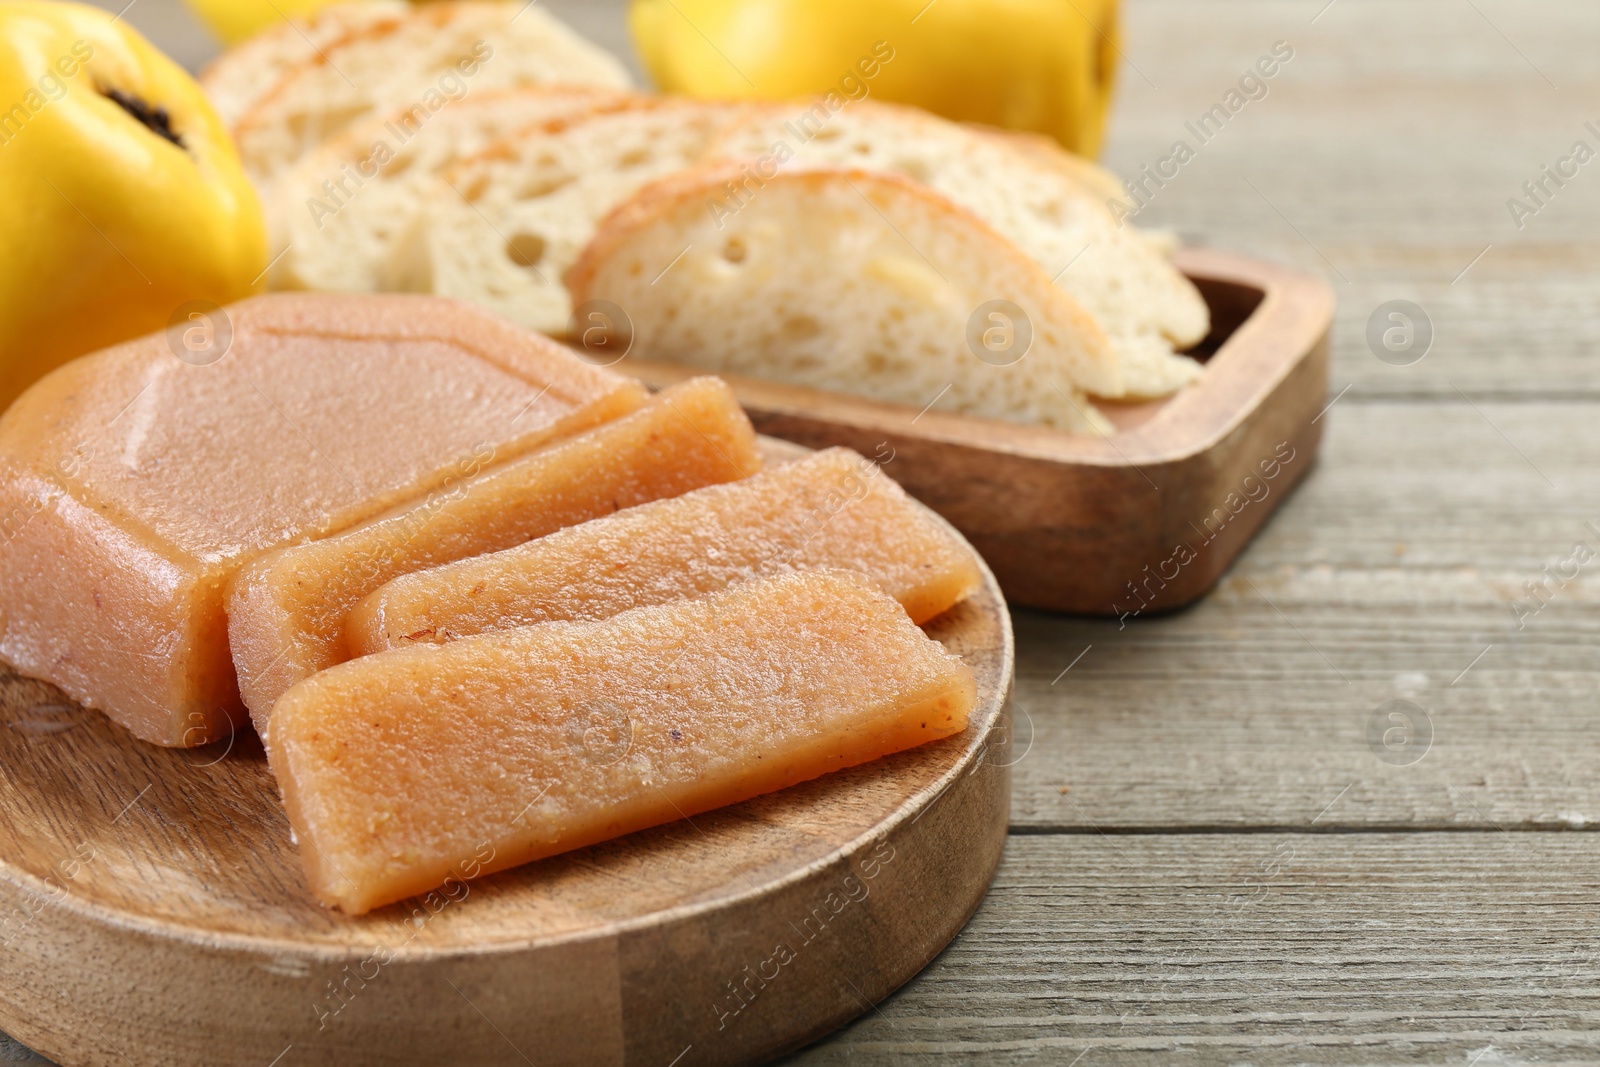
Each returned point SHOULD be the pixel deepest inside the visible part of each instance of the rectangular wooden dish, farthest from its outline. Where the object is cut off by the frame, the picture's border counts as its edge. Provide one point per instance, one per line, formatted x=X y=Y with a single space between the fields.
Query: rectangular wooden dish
x=1145 y=520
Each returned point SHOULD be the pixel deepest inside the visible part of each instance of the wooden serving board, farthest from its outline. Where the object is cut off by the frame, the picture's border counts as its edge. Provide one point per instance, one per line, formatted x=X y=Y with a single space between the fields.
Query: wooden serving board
x=153 y=911
x=1144 y=520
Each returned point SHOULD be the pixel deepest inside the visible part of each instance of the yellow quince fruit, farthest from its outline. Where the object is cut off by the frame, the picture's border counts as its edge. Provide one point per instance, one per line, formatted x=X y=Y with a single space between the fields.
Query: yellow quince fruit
x=1040 y=65
x=124 y=200
x=234 y=20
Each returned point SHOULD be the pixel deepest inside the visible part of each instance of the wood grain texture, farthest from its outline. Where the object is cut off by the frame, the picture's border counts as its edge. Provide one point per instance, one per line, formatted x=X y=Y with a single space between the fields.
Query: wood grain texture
x=1381 y=159
x=1386 y=576
x=138 y=884
x=1337 y=949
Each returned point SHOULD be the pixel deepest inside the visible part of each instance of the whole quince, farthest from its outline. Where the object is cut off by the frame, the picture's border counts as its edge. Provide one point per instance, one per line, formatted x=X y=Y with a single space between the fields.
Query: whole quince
x=234 y=20
x=124 y=199
x=1040 y=65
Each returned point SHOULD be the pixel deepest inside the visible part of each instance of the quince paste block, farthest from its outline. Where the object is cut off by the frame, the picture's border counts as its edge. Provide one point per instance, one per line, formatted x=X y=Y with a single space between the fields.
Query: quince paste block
x=287 y=609
x=408 y=768
x=832 y=509
x=133 y=483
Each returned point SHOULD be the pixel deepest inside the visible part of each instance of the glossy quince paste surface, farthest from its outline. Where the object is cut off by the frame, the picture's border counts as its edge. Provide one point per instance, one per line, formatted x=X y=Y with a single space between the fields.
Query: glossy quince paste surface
x=411 y=767
x=287 y=609
x=134 y=482
x=832 y=509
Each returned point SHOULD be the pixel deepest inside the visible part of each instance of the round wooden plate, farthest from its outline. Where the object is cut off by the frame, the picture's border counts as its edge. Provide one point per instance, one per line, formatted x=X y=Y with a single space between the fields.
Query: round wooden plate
x=153 y=911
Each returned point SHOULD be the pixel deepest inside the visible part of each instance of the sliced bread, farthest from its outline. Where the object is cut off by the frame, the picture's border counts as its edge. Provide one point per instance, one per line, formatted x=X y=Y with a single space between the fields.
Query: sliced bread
x=426 y=61
x=243 y=74
x=856 y=281
x=1051 y=205
x=1047 y=150
x=341 y=211
x=502 y=227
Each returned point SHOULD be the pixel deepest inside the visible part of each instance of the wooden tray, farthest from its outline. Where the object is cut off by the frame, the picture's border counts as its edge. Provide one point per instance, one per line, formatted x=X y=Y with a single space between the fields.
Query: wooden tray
x=1145 y=520
x=152 y=909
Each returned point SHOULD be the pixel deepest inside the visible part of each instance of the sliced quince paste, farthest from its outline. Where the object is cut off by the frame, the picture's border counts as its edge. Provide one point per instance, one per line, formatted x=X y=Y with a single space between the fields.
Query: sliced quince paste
x=404 y=769
x=831 y=509
x=287 y=610
x=136 y=481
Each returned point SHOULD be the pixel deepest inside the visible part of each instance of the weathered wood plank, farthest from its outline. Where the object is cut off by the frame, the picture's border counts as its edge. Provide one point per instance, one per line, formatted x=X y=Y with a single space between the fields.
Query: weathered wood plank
x=15 y=1055
x=1382 y=158
x=1281 y=948
x=1386 y=577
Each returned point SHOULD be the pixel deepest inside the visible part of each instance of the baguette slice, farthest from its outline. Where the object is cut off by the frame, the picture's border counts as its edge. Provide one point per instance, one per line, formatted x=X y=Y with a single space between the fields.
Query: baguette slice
x=428 y=60
x=1050 y=204
x=832 y=509
x=235 y=80
x=849 y=280
x=1099 y=182
x=341 y=211
x=1085 y=173
x=407 y=769
x=502 y=227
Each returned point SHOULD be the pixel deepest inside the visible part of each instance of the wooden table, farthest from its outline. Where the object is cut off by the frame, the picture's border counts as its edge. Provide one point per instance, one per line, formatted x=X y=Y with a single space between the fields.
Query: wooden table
x=1222 y=851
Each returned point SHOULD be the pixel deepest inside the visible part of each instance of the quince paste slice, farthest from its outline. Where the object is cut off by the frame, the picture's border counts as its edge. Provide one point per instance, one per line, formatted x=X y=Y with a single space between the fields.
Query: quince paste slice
x=409 y=768
x=286 y=610
x=830 y=509
x=135 y=483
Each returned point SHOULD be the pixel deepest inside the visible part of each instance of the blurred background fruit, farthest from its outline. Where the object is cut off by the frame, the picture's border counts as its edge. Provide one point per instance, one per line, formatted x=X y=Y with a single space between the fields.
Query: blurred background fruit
x=1040 y=65
x=234 y=20
x=125 y=199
